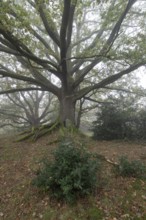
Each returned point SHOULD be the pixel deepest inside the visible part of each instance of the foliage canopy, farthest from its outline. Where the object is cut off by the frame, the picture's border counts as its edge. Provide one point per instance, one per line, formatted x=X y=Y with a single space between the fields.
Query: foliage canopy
x=84 y=45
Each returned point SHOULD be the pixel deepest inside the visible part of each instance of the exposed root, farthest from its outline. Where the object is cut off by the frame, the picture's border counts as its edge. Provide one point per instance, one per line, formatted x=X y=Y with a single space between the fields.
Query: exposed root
x=36 y=133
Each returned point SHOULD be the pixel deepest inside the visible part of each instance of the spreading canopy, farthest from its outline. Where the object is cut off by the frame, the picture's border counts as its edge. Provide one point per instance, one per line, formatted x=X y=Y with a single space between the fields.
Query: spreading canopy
x=65 y=46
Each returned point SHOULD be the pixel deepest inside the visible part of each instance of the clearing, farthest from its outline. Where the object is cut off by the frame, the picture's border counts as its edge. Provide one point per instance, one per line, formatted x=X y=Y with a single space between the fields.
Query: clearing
x=120 y=198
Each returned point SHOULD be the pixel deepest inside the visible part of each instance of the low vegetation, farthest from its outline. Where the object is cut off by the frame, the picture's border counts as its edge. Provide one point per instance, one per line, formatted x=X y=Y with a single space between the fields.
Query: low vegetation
x=134 y=168
x=120 y=121
x=119 y=197
x=73 y=173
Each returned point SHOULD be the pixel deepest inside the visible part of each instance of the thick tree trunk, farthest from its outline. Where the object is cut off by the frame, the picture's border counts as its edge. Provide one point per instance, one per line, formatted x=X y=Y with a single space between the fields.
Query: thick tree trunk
x=67 y=111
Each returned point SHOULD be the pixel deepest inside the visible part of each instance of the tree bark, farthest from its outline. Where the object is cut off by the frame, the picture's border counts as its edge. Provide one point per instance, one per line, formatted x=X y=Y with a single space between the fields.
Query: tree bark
x=67 y=111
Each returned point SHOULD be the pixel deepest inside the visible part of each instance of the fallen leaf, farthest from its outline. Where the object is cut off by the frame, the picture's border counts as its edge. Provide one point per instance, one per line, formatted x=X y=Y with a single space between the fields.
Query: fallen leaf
x=144 y=197
x=1 y=214
x=125 y=216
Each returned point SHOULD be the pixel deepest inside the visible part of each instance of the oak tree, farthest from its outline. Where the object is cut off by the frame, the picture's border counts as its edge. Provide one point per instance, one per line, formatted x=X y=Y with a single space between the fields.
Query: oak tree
x=70 y=47
x=27 y=110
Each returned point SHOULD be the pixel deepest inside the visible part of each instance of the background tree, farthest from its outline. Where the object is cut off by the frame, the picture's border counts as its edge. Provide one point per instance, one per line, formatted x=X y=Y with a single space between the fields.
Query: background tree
x=27 y=109
x=84 y=45
x=124 y=93
x=124 y=117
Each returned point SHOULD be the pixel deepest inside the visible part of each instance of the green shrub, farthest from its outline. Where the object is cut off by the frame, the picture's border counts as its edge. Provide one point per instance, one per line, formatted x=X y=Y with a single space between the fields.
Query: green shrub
x=109 y=123
x=119 y=119
x=73 y=172
x=133 y=168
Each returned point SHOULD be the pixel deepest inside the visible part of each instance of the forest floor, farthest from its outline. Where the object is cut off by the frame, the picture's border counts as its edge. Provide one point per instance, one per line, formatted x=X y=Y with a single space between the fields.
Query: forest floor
x=119 y=199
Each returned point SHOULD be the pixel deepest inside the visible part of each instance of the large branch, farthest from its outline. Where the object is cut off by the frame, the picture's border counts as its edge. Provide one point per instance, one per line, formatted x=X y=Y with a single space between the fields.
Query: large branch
x=6 y=43
x=107 y=81
x=18 y=54
x=114 y=34
x=38 y=79
x=9 y=91
x=85 y=71
x=70 y=22
x=51 y=29
x=47 y=46
x=92 y=45
x=35 y=69
x=9 y=50
x=13 y=75
x=48 y=86
x=107 y=46
x=35 y=34
x=44 y=81
x=63 y=34
x=115 y=31
x=20 y=49
x=83 y=58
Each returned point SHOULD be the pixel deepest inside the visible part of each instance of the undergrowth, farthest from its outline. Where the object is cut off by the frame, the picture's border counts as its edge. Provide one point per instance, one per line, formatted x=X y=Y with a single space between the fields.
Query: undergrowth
x=134 y=168
x=73 y=173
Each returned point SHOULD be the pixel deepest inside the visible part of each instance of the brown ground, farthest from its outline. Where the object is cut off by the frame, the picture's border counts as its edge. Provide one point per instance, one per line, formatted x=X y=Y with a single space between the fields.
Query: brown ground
x=120 y=198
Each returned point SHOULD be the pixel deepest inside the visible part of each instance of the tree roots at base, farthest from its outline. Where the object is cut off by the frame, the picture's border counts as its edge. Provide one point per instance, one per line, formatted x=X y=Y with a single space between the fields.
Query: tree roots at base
x=38 y=132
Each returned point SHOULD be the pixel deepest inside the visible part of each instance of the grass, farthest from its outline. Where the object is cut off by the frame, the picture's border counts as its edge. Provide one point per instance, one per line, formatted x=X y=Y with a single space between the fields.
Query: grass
x=121 y=198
